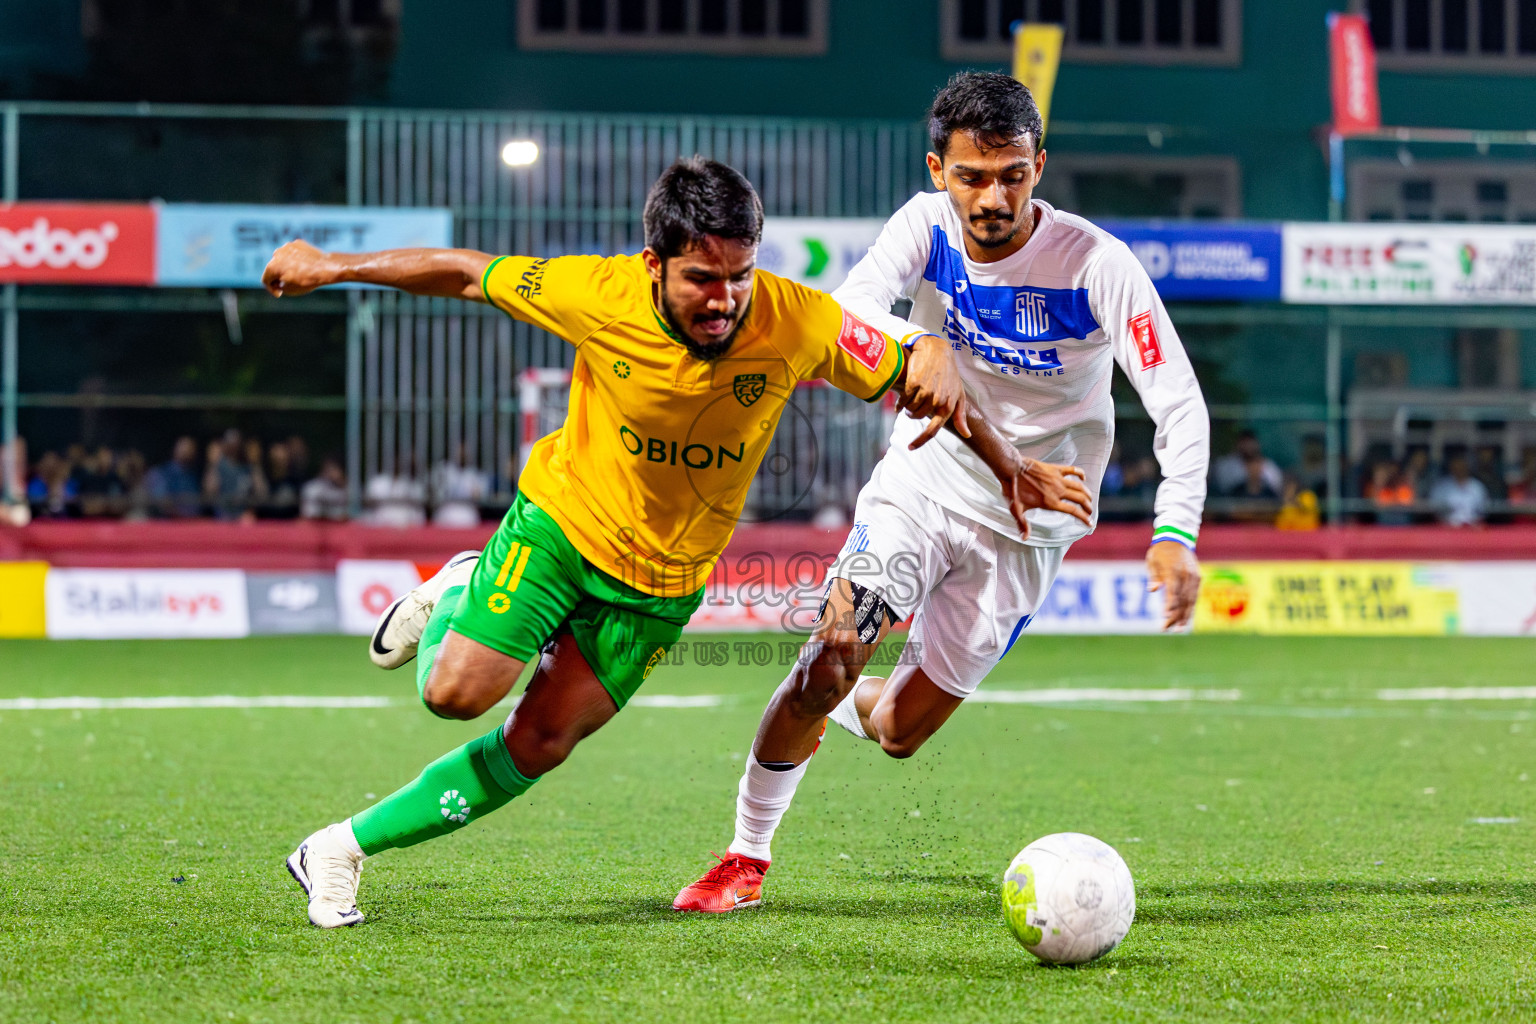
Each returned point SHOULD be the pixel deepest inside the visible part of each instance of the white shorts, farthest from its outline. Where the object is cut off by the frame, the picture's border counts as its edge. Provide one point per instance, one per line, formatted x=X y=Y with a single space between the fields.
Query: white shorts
x=972 y=589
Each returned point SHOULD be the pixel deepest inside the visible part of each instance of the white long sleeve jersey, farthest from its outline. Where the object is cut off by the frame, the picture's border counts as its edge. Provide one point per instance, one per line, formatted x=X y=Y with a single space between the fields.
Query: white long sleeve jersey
x=1034 y=335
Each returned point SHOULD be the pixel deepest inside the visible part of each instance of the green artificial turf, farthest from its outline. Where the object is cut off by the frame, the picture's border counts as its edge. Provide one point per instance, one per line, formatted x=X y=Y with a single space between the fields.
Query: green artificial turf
x=1308 y=852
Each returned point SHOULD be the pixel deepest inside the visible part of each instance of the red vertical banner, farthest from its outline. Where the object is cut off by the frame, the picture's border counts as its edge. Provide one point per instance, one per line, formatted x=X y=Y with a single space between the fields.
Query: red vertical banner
x=1356 y=104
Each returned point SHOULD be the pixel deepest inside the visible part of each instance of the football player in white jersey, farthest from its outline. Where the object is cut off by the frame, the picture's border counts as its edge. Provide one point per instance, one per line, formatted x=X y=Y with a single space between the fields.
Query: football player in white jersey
x=1039 y=306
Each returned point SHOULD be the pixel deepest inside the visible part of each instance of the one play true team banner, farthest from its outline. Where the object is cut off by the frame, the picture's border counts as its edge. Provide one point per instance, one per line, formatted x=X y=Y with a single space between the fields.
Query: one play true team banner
x=1329 y=598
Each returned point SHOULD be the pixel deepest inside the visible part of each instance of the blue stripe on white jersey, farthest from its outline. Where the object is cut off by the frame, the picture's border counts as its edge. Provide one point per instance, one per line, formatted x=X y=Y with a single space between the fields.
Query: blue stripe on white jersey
x=1024 y=316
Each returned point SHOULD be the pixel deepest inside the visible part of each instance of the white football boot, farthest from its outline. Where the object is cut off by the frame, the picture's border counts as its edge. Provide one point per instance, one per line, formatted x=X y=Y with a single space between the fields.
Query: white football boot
x=400 y=627
x=327 y=867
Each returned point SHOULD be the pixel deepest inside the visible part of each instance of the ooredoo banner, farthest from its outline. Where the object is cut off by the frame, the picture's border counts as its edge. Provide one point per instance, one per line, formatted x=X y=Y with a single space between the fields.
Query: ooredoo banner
x=77 y=243
x=102 y=604
x=365 y=587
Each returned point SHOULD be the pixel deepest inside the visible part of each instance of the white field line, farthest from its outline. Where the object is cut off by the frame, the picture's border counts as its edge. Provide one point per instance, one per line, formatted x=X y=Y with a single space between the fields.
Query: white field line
x=159 y=703
x=1071 y=696
x=1461 y=693
x=664 y=700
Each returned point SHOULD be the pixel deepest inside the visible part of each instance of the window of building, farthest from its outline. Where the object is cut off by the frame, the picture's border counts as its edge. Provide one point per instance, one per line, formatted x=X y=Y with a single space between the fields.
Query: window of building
x=1453 y=35
x=351 y=15
x=778 y=27
x=1116 y=186
x=1443 y=190
x=1119 y=31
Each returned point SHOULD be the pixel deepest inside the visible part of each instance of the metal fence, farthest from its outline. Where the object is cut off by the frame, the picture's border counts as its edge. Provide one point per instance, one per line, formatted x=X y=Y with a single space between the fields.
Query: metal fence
x=428 y=381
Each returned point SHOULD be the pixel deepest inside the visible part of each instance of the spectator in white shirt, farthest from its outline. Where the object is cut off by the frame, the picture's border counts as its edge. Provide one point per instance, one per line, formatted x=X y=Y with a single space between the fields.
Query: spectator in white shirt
x=1230 y=472
x=1460 y=497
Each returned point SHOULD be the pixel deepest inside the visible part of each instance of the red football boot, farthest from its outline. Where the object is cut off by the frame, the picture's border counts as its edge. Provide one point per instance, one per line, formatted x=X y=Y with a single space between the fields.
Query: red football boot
x=734 y=883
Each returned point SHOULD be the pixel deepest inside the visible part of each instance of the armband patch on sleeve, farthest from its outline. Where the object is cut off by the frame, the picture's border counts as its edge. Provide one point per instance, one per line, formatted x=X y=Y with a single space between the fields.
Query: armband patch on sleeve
x=1145 y=337
x=863 y=342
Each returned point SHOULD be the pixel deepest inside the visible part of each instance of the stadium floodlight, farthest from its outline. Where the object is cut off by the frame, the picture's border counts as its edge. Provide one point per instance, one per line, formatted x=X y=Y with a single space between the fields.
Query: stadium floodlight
x=520 y=153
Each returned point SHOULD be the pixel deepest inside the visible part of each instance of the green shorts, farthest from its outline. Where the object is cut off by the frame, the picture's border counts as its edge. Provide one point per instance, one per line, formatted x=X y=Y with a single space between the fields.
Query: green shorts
x=531 y=584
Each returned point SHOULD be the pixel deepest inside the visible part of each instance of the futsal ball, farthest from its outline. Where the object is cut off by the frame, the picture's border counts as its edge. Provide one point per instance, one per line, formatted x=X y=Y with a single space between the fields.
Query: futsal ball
x=1068 y=898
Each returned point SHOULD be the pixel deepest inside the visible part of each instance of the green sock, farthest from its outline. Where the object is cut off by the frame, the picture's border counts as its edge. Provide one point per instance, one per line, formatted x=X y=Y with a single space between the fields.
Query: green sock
x=432 y=636
x=466 y=783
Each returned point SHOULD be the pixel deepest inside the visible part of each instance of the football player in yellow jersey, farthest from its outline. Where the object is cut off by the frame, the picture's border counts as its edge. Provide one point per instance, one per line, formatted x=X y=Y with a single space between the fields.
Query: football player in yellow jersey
x=685 y=358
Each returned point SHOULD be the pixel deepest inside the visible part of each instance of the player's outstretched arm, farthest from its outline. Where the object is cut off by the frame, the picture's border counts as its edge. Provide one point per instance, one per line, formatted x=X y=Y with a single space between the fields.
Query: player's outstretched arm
x=299 y=268
x=1027 y=483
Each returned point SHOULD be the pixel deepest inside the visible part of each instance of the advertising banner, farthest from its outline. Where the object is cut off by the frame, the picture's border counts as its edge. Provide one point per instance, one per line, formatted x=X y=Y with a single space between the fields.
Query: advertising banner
x=818 y=251
x=364 y=588
x=1410 y=264
x=1036 y=57
x=1203 y=262
x=1099 y=598
x=21 y=599
x=228 y=246
x=1327 y=598
x=77 y=243
x=1497 y=598
x=1352 y=79
x=302 y=602
x=146 y=603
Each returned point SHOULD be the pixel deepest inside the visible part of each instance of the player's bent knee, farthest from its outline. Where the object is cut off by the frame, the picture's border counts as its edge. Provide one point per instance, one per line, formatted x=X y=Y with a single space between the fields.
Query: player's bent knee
x=452 y=699
x=901 y=747
x=818 y=684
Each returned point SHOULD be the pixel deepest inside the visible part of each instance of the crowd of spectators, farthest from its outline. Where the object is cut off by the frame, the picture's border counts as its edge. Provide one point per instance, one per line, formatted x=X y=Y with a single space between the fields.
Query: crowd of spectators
x=241 y=479
x=229 y=478
x=238 y=478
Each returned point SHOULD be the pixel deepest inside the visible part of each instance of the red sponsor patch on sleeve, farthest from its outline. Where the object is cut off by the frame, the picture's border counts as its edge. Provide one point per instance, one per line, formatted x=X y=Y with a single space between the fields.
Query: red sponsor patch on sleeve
x=863 y=342
x=1145 y=336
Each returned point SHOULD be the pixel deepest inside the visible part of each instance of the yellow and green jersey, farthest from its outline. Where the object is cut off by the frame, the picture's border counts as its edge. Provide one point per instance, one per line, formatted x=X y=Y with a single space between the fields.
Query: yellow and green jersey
x=649 y=473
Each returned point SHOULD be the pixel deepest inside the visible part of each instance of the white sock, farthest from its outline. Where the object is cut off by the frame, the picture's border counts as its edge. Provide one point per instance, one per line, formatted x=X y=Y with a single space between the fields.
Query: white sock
x=761 y=800
x=847 y=715
x=344 y=835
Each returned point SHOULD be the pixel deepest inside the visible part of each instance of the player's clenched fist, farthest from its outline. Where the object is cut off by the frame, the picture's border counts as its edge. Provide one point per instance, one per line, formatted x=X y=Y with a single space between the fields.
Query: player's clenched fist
x=297 y=269
x=1036 y=484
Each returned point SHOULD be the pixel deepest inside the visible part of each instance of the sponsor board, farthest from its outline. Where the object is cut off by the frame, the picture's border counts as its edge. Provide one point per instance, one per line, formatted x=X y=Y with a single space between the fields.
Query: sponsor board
x=302 y=602
x=1233 y=262
x=21 y=599
x=228 y=246
x=1497 y=598
x=1099 y=598
x=1328 y=598
x=1410 y=264
x=145 y=603
x=818 y=251
x=77 y=243
x=364 y=588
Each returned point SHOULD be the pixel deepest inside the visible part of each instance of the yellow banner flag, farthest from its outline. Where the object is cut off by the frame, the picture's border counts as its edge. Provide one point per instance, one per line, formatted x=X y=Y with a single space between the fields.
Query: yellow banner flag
x=1326 y=598
x=21 y=599
x=1036 y=54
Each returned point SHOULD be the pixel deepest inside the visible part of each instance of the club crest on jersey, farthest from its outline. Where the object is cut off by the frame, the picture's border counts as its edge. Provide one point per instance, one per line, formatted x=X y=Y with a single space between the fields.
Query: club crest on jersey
x=861 y=341
x=1032 y=320
x=1145 y=336
x=749 y=387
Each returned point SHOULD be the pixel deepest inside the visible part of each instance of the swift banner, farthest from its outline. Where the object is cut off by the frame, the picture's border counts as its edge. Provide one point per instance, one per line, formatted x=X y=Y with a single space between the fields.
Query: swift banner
x=228 y=246
x=1410 y=264
x=1328 y=598
x=1195 y=262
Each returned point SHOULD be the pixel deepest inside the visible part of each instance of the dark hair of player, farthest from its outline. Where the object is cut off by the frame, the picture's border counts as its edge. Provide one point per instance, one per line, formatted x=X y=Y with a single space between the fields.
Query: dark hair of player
x=696 y=197
x=992 y=108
